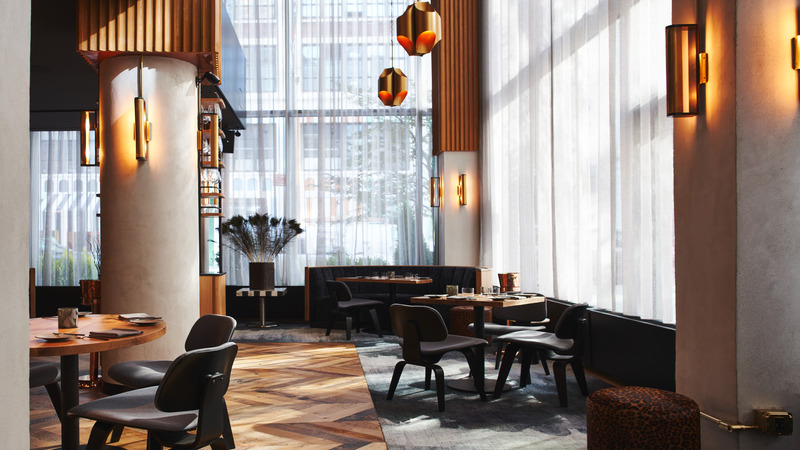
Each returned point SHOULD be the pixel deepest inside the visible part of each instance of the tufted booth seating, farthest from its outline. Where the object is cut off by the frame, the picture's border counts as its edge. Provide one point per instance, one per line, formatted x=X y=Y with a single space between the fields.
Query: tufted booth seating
x=316 y=292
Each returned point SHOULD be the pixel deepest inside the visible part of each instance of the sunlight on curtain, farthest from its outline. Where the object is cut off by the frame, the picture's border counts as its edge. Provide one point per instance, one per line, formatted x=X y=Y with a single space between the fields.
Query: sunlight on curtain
x=64 y=208
x=577 y=152
x=319 y=146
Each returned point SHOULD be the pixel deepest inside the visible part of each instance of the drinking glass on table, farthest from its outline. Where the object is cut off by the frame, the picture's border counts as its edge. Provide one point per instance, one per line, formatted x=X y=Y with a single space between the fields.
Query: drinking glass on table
x=468 y=291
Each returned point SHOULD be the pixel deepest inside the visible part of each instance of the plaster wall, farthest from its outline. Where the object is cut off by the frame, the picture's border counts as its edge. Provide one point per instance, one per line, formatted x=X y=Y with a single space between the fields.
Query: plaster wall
x=768 y=217
x=15 y=20
x=705 y=227
x=459 y=227
x=149 y=209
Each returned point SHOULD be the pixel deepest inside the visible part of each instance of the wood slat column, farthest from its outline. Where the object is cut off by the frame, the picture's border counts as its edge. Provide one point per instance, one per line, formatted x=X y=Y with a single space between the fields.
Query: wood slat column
x=456 y=73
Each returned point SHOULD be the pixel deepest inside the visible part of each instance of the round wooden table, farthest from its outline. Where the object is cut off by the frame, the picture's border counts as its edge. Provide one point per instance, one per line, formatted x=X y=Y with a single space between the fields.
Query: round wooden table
x=70 y=349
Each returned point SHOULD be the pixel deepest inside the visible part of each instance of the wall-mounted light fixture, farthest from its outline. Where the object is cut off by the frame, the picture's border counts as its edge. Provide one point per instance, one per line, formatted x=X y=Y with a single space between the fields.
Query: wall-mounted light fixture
x=462 y=189
x=141 y=127
x=211 y=130
x=436 y=192
x=687 y=68
x=419 y=29
x=796 y=52
x=86 y=129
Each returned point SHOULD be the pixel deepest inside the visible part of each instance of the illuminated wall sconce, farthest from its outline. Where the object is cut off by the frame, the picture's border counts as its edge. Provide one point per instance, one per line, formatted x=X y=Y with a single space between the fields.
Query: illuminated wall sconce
x=392 y=86
x=462 y=189
x=419 y=29
x=86 y=129
x=141 y=127
x=687 y=68
x=211 y=131
x=436 y=192
x=796 y=52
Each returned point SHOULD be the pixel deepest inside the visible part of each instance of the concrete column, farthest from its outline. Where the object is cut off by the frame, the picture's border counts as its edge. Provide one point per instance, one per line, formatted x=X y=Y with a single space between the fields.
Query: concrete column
x=149 y=209
x=459 y=225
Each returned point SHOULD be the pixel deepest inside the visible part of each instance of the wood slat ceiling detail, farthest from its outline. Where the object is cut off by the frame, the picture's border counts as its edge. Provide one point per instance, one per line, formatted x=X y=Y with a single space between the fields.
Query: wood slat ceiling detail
x=189 y=30
x=456 y=92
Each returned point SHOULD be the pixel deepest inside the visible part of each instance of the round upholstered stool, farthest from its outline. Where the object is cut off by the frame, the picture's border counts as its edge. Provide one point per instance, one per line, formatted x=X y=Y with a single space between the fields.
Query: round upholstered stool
x=640 y=417
x=462 y=316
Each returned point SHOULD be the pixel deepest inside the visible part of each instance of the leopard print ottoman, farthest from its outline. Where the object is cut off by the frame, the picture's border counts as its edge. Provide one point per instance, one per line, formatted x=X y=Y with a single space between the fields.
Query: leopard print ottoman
x=635 y=417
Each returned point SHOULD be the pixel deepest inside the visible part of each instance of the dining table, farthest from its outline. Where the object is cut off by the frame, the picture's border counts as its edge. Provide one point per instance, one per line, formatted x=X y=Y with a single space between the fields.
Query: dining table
x=44 y=341
x=393 y=282
x=479 y=303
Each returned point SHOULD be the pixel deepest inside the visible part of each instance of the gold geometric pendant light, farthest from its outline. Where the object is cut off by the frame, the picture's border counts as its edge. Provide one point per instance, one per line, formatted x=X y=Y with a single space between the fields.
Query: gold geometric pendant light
x=392 y=86
x=419 y=29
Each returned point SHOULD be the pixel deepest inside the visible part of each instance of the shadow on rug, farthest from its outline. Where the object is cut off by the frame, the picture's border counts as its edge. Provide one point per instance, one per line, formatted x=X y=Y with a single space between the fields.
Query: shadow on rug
x=521 y=418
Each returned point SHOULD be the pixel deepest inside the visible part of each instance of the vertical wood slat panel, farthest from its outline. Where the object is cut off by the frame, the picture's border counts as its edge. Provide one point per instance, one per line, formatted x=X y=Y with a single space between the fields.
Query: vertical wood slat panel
x=456 y=100
x=149 y=26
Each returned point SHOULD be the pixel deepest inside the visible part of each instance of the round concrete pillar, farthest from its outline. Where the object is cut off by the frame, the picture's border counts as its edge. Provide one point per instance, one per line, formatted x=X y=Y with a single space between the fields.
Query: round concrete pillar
x=149 y=209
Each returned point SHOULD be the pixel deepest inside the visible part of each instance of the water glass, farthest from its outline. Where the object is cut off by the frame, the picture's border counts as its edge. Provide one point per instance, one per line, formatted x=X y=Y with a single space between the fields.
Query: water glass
x=468 y=291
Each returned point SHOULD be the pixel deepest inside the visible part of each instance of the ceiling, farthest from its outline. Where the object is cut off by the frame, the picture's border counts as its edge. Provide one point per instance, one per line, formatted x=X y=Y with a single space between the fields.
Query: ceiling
x=62 y=82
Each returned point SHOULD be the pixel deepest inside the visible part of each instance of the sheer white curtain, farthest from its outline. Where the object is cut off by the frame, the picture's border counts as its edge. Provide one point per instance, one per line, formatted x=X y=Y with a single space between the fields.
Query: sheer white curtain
x=64 y=208
x=577 y=151
x=319 y=146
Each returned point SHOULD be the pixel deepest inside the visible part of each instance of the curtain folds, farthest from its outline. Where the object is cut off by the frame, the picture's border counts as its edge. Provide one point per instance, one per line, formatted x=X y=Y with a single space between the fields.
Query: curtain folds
x=577 y=152
x=319 y=145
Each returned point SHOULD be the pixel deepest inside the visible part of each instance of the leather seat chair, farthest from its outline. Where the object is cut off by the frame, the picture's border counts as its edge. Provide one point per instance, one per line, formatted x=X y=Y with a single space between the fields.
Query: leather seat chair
x=563 y=346
x=186 y=410
x=424 y=339
x=530 y=317
x=341 y=304
x=47 y=374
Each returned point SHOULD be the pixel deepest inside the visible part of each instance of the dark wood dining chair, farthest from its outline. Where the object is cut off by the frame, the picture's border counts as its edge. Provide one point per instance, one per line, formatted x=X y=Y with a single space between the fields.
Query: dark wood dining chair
x=564 y=346
x=47 y=374
x=342 y=304
x=186 y=410
x=424 y=339
x=530 y=317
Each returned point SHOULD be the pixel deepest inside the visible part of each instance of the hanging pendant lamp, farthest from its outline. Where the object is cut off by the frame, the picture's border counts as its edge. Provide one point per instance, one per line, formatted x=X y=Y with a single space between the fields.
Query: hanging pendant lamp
x=392 y=86
x=419 y=29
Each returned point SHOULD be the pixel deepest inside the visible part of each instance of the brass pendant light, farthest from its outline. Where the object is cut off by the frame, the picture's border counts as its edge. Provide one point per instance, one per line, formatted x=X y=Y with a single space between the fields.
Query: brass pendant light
x=419 y=29
x=392 y=84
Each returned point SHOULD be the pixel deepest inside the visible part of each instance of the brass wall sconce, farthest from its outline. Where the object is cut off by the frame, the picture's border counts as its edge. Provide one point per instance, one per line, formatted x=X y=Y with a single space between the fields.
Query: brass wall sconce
x=462 y=189
x=141 y=127
x=687 y=68
x=419 y=28
x=796 y=52
x=436 y=192
x=392 y=86
x=86 y=128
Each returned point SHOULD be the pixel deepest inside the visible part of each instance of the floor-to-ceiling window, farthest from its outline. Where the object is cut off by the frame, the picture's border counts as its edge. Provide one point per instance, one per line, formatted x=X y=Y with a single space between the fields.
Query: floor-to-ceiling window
x=319 y=145
x=577 y=151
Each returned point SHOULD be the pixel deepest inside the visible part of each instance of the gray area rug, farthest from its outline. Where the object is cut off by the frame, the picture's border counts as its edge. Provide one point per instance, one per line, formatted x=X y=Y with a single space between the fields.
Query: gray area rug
x=521 y=418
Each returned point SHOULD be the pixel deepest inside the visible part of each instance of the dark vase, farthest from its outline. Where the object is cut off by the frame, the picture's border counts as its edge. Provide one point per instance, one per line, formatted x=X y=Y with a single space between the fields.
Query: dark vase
x=262 y=276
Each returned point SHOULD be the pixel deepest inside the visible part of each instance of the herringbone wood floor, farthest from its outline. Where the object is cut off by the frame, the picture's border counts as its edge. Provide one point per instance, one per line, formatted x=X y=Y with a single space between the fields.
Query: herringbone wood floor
x=281 y=395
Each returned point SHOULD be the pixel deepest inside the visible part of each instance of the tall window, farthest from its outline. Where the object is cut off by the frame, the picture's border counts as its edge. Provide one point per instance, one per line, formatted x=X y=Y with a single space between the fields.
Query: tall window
x=321 y=145
x=578 y=152
x=64 y=208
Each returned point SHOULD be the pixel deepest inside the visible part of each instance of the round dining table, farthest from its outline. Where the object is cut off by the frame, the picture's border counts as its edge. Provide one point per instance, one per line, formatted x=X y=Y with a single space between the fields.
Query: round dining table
x=75 y=344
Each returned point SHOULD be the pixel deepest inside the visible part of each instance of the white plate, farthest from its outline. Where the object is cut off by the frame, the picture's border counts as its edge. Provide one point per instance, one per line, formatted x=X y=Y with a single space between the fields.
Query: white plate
x=54 y=337
x=435 y=295
x=144 y=322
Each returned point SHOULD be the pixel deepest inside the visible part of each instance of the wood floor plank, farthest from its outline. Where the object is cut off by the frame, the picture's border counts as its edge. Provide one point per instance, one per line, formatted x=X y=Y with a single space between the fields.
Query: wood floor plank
x=280 y=395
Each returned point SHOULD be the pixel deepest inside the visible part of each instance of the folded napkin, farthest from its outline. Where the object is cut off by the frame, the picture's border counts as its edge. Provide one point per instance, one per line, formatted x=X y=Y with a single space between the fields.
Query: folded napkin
x=131 y=316
x=114 y=333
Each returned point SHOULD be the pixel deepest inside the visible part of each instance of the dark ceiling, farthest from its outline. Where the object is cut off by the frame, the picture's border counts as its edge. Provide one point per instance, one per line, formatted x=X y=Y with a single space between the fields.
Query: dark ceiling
x=62 y=82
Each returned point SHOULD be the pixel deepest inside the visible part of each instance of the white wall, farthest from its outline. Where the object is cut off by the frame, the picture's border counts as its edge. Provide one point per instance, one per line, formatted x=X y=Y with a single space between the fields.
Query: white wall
x=14 y=221
x=459 y=228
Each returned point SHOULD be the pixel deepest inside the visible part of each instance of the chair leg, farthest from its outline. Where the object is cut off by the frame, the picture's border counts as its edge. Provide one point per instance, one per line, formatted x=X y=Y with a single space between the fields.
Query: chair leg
x=330 y=325
x=116 y=433
x=54 y=391
x=560 y=373
x=152 y=442
x=398 y=369
x=525 y=367
x=580 y=376
x=219 y=444
x=227 y=431
x=98 y=436
x=472 y=359
x=427 y=378
x=374 y=314
x=348 y=320
x=499 y=355
x=543 y=360
x=439 y=386
x=508 y=360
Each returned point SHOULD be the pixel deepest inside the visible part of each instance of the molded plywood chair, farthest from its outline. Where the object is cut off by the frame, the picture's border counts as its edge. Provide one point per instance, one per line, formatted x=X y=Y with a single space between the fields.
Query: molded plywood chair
x=564 y=346
x=425 y=340
x=47 y=374
x=186 y=410
x=530 y=317
x=342 y=304
x=210 y=330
